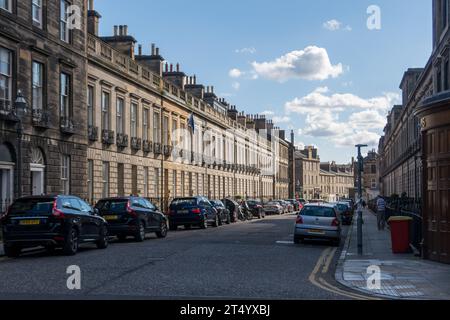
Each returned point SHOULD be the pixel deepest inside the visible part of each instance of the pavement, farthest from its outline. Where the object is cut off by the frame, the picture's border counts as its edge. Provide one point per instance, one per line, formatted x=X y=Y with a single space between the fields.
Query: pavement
x=249 y=260
x=403 y=276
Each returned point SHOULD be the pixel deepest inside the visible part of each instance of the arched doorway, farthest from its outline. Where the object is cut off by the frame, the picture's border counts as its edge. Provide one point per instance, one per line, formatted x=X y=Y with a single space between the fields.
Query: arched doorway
x=6 y=177
x=37 y=168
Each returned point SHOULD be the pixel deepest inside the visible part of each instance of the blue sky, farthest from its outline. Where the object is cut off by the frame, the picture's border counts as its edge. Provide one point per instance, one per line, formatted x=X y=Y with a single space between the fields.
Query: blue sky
x=333 y=87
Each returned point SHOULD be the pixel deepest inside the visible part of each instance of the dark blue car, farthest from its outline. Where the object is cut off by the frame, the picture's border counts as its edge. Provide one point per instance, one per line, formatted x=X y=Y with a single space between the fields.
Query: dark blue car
x=192 y=211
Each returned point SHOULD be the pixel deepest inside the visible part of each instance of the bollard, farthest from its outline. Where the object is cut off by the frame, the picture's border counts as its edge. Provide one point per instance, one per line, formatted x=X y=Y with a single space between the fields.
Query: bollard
x=360 y=240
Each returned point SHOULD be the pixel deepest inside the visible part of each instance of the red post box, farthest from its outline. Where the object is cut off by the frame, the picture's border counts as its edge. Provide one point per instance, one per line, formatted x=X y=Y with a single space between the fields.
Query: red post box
x=400 y=234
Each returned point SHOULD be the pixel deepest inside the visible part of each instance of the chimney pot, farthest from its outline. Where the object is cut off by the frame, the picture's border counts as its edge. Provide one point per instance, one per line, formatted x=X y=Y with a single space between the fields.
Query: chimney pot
x=171 y=67
x=157 y=51
x=91 y=4
x=140 y=49
x=212 y=89
x=115 y=30
x=153 y=49
x=125 y=30
x=167 y=67
x=195 y=79
x=178 y=67
x=120 y=30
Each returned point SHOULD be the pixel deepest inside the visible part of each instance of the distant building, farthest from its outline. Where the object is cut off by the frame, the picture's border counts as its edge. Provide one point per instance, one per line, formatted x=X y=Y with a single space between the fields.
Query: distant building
x=336 y=181
x=370 y=176
x=307 y=172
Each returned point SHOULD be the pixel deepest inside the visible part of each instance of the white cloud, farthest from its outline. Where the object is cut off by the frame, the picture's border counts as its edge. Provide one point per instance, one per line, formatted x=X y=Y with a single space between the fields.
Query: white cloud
x=368 y=119
x=320 y=99
x=281 y=119
x=332 y=25
x=235 y=73
x=335 y=25
x=359 y=137
x=267 y=113
x=312 y=63
x=236 y=85
x=249 y=50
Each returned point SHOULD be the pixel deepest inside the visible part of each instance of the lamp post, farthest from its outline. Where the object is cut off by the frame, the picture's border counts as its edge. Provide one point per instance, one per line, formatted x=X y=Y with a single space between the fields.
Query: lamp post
x=360 y=218
x=21 y=110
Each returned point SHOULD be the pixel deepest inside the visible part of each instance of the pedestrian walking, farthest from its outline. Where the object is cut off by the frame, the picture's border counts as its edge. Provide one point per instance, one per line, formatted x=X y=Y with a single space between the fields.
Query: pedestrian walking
x=381 y=213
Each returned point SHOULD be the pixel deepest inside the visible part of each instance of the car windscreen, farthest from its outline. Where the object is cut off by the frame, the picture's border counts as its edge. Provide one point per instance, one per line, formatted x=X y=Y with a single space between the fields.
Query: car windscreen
x=318 y=212
x=32 y=207
x=112 y=206
x=252 y=203
x=185 y=202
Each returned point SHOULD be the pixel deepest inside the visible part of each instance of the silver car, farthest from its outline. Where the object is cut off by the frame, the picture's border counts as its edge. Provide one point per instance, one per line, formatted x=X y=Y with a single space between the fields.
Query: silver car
x=318 y=221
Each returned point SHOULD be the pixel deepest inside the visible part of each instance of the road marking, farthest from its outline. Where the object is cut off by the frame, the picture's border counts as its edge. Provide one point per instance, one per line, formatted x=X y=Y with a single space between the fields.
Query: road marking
x=324 y=261
x=285 y=242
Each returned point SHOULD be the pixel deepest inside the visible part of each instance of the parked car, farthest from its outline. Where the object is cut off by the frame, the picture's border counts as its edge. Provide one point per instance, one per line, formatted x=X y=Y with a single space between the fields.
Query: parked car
x=273 y=207
x=256 y=208
x=233 y=208
x=287 y=207
x=52 y=222
x=192 y=211
x=224 y=213
x=346 y=212
x=132 y=216
x=318 y=221
x=246 y=211
x=296 y=204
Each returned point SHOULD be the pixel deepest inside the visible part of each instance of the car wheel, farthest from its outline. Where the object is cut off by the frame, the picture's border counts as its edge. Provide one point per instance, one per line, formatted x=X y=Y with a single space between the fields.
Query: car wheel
x=173 y=227
x=103 y=240
x=70 y=247
x=12 y=251
x=216 y=222
x=220 y=221
x=140 y=233
x=122 y=237
x=162 y=233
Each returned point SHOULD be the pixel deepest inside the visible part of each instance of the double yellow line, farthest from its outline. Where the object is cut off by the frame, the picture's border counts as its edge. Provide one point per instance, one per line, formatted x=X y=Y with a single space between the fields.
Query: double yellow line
x=322 y=267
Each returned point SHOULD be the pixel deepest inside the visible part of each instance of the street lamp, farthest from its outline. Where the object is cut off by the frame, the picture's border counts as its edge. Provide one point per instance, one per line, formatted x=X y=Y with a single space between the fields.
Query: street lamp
x=360 y=218
x=21 y=110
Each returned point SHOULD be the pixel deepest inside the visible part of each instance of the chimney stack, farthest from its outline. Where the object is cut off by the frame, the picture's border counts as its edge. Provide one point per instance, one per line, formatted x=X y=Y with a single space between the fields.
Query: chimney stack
x=93 y=19
x=125 y=30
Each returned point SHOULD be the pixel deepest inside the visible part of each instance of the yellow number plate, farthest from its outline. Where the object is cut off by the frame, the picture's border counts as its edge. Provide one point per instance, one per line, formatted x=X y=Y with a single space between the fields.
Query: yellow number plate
x=111 y=217
x=317 y=231
x=30 y=222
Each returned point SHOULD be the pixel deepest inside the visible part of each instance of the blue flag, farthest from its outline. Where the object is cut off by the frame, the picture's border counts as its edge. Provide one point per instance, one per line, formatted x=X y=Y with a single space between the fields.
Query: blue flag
x=191 y=123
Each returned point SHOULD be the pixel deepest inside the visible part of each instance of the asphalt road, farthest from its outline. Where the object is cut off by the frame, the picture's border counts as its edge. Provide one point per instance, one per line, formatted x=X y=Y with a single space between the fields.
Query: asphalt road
x=251 y=260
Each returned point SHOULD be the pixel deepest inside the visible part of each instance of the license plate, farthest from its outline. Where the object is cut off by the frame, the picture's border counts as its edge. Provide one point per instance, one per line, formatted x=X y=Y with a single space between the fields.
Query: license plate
x=316 y=231
x=30 y=222
x=111 y=217
x=183 y=211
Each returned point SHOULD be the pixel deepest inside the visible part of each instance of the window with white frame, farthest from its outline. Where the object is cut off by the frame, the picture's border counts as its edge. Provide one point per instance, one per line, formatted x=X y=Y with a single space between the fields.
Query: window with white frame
x=64 y=30
x=5 y=79
x=174 y=183
x=38 y=85
x=64 y=95
x=105 y=179
x=119 y=115
x=37 y=12
x=174 y=130
x=145 y=120
x=156 y=127
x=65 y=174
x=6 y=5
x=90 y=105
x=134 y=119
x=105 y=111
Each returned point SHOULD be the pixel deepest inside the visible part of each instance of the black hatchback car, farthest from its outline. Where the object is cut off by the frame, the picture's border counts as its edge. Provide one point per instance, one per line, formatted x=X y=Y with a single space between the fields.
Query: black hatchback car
x=132 y=216
x=53 y=222
x=224 y=213
x=192 y=211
